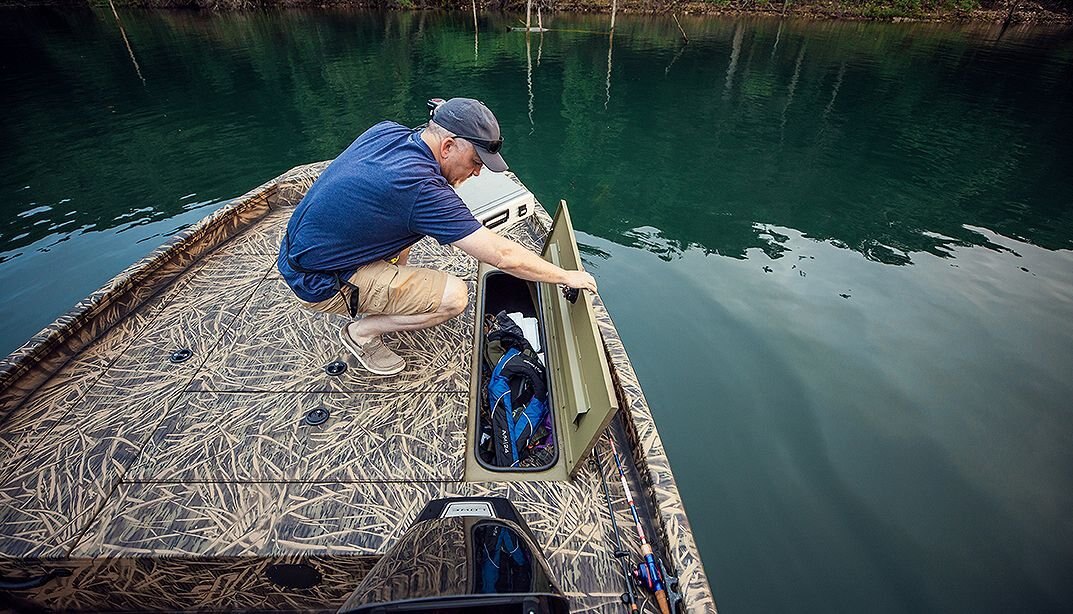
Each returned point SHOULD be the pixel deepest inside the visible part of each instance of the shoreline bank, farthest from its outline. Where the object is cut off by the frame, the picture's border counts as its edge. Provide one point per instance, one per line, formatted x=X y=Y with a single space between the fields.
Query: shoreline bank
x=994 y=11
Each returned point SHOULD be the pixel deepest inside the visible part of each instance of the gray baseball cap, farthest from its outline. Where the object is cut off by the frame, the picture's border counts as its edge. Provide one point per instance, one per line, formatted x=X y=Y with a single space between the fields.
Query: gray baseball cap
x=469 y=119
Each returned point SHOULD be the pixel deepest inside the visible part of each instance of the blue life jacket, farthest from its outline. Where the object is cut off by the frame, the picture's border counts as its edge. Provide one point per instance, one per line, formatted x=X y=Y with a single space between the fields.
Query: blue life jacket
x=518 y=396
x=505 y=564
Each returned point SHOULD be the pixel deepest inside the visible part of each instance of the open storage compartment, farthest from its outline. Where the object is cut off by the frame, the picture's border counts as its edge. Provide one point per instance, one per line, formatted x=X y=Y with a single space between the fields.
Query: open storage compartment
x=580 y=398
x=519 y=299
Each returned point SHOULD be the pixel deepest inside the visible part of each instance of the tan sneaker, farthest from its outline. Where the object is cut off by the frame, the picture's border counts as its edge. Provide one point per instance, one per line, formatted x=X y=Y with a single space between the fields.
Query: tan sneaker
x=374 y=355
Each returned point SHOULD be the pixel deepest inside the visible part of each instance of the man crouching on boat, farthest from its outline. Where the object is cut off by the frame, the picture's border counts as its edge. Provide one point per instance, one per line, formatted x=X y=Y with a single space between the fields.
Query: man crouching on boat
x=347 y=242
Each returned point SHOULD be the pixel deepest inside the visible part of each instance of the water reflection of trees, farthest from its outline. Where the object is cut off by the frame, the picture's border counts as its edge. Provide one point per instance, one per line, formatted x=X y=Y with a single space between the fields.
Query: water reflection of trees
x=885 y=138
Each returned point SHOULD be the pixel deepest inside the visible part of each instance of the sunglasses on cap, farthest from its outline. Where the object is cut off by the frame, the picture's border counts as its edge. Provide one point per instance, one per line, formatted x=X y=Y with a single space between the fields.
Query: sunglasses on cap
x=491 y=147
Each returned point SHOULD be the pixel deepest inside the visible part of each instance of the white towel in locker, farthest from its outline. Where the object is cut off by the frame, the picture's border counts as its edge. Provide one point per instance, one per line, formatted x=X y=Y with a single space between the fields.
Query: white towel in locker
x=529 y=329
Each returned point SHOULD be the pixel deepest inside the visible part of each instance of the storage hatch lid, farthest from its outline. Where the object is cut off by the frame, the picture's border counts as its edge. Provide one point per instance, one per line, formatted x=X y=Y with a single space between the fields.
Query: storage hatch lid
x=583 y=394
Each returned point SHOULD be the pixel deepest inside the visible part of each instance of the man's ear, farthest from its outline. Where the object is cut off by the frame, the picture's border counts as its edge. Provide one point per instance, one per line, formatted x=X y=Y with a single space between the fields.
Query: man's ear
x=447 y=144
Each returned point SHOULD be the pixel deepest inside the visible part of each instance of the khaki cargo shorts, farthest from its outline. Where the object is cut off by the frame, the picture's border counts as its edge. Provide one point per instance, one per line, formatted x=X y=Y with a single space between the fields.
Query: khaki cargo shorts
x=385 y=288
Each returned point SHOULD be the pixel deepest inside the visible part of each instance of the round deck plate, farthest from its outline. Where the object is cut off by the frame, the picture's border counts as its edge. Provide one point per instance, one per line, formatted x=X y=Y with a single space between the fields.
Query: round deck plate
x=180 y=355
x=335 y=368
x=317 y=416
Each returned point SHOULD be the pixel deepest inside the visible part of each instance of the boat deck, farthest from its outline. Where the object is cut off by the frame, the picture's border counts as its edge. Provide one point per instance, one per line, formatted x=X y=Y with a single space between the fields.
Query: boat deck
x=175 y=485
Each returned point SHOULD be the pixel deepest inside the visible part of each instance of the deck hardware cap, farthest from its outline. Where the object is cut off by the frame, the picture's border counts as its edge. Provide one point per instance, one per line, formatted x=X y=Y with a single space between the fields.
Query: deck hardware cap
x=180 y=355
x=298 y=576
x=316 y=416
x=335 y=368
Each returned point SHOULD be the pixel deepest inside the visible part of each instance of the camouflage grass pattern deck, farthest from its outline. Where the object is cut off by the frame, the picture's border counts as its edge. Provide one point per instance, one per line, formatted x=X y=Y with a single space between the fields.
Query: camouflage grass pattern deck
x=278 y=346
x=263 y=437
x=176 y=486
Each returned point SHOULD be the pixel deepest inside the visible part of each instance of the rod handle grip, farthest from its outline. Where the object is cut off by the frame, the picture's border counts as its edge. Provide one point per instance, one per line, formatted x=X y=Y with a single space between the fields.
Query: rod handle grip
x=661 y=597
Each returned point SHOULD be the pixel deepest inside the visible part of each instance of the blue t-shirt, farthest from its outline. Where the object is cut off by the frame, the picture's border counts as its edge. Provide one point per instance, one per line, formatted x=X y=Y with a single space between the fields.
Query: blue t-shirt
x=377 y=198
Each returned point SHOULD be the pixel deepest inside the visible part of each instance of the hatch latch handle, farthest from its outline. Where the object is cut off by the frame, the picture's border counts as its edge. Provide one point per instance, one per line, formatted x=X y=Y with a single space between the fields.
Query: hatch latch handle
x=571 y=294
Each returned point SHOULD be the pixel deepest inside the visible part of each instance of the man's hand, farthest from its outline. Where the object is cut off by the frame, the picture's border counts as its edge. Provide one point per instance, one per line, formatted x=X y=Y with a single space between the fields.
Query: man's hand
x=582 y=280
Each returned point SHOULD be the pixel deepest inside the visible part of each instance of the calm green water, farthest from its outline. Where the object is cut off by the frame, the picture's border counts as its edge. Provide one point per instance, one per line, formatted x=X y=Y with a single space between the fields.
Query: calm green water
x=840 y=254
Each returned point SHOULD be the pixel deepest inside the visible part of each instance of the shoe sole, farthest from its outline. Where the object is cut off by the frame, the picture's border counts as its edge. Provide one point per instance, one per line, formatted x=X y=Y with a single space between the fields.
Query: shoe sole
x=356 y=351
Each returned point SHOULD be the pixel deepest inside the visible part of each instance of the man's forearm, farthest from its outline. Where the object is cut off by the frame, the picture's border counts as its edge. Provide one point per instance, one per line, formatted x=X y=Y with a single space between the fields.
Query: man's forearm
x=509 y=256
x=522 y=263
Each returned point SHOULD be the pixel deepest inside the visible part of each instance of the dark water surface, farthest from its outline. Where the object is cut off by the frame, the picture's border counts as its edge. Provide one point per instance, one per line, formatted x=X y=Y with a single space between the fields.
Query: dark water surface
x=841 y=254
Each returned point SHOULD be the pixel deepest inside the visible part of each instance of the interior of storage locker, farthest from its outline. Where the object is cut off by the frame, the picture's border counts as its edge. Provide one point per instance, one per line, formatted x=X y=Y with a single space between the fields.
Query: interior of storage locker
x=506 y=293
x=503 y=292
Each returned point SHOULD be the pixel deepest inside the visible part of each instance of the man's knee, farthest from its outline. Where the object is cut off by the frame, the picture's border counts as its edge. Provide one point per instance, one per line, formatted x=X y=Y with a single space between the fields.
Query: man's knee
x=455 y=296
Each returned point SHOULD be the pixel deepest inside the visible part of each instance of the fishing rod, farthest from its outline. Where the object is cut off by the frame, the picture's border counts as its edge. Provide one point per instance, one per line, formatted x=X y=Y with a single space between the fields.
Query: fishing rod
x=620 y=552
x=647 y=570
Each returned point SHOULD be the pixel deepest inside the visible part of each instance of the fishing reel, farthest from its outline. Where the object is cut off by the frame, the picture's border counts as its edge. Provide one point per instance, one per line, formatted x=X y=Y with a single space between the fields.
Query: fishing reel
x=652 y=584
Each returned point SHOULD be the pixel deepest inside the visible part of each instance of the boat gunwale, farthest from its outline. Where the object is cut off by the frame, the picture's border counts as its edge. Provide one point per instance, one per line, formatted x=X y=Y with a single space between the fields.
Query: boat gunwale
x=649 y=458
x=654 y=469
x=45 y=354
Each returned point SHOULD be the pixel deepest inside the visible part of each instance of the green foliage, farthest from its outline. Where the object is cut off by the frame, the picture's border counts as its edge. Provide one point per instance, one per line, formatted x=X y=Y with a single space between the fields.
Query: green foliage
x=878 y=9
x=886 y=9
x=962 y=5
